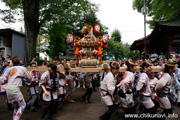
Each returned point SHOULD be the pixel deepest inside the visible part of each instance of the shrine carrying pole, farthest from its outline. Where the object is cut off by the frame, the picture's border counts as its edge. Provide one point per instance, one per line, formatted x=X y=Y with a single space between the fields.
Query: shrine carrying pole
x=80 y=69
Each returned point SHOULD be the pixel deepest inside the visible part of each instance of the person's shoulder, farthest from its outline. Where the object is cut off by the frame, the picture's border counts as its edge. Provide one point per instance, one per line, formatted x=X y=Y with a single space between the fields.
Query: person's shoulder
x=19 y=67
x=109 y=74
x=177 y=68
x=166 y=75
x=6 y=67
x=45 y=73
x=143 y=74
x=155 y=79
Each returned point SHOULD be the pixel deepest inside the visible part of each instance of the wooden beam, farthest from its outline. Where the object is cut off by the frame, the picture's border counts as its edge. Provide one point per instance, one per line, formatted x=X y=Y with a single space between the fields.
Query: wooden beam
x=97 y=69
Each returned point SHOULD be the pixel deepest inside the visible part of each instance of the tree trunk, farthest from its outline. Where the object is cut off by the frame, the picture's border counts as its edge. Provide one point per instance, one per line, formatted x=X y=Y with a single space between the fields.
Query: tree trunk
x=31 y=19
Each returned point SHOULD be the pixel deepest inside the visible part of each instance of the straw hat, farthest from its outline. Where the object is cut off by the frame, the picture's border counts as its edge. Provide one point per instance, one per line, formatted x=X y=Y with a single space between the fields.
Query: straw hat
x=132 y=63
x=148 y=62
x=172 y=65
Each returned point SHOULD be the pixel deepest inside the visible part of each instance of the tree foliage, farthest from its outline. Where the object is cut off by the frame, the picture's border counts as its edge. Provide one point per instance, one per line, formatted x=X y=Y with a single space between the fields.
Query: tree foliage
x=114 y=49
x=128 y=53
x=116 y=35
x=118 y=50
x=59 y=30
x=57 y=37
x=159 y=9
x=40 y=14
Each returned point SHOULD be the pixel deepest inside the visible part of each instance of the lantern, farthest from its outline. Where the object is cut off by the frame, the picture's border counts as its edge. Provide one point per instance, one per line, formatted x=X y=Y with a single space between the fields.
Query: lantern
x=69 y=39
x=105 y=38
x=96 y=29
x=81 y=52
x=95 y=52
x=75 y=45
x=105 y=45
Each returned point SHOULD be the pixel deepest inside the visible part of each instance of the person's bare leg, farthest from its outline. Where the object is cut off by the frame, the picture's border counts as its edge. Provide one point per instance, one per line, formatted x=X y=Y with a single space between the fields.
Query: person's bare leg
x=78 y=83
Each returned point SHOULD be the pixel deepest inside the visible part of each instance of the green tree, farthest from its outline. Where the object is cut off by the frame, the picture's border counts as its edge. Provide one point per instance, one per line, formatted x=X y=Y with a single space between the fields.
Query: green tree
x=128 y=53
x=115 y=47
x=116 y=35
x=63 y=29
x=159 y=9
x=38 y=14
x=114 y=50
x=57 y=37
x=118 y=50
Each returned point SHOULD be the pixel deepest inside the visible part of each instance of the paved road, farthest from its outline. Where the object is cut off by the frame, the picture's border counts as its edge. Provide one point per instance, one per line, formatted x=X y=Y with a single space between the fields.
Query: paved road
x=71 y=111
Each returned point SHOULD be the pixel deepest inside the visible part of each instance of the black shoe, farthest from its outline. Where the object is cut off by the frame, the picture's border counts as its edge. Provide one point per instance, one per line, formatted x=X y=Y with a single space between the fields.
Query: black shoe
x=43 y=118
x=52 y=118
x=95 y=90
x=173 y=103
x=28 y=107
x=178 y=104
x=83 y=98
x=10 y=108
x=141 y=107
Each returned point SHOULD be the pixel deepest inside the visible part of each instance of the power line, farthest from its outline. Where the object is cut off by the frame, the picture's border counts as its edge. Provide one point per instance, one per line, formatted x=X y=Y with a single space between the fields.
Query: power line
x=133 y=31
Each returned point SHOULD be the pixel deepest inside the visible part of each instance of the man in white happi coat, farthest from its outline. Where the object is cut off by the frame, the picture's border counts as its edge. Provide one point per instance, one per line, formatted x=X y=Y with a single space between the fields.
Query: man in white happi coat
x=50 y=84
x=107 y=90
x=163 y=87
x=14 y=78
x=143 y=88
x=125 y=93
x=153 y=82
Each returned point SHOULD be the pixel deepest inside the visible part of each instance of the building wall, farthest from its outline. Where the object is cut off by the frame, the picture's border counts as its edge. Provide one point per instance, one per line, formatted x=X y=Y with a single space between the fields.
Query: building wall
x=5 y=46
x=18 y=46
x=6 y=42
x=8 y=51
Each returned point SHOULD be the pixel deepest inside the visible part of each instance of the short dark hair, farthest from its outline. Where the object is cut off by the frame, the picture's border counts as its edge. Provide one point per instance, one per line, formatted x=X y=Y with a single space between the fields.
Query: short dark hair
x=168 y=67
x=32 y=63
x=16 y=60
x=53 y=67
x=145 y=64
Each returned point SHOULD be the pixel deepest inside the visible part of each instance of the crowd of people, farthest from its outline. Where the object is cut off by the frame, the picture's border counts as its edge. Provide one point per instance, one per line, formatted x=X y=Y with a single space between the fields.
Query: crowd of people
x=155 y=89
x=154 y=57
x=52 y=86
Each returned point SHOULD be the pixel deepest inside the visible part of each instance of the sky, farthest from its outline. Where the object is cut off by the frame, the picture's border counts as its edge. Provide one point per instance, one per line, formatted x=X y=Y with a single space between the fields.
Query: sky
x=115 y=14
x=17 y=26
x=119 y=14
